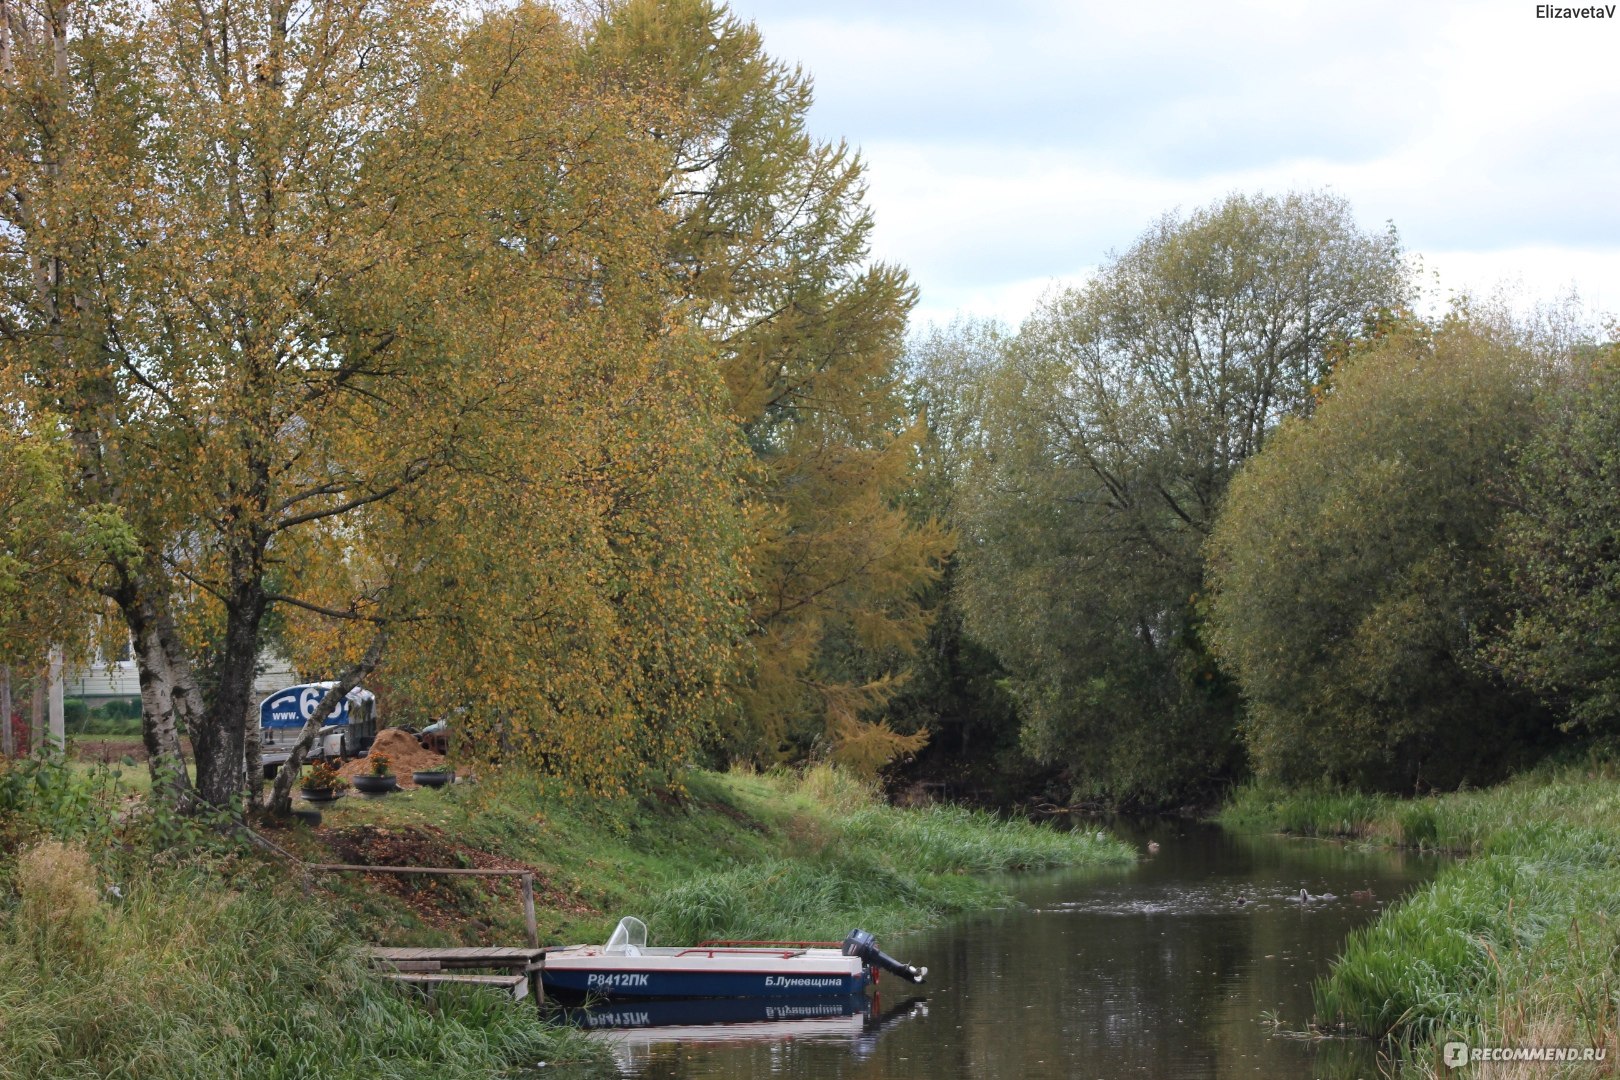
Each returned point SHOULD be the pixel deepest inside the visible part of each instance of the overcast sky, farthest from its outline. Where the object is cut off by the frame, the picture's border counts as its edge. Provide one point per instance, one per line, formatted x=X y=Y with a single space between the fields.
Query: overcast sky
x=1013 y=143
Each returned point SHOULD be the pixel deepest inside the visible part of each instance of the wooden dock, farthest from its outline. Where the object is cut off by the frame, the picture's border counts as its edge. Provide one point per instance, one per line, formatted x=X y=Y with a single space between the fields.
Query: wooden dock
x=432 y=967
x=449 y=966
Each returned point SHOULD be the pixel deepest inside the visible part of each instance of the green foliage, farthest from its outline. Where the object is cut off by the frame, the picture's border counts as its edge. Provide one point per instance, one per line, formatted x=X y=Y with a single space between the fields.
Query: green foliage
x=1561 y=543
x=948 y=839
x=44 y=546
x=1418 y=969
x=737 y=854
x=1101 y=441
x=1350 y=567
x=187 y=972
x=957 y=688
x=116 y=717
x=43 y=794
x=797 y=900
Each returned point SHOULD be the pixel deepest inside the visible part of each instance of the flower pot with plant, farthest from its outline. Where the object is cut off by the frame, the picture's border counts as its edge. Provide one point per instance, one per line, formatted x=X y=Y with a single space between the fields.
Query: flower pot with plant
x=380 y=780
x=439 y=777
x=321 y=783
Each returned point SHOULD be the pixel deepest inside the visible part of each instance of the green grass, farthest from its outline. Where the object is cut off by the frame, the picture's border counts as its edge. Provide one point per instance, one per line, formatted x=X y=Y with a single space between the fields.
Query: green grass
x=218 y=968
x=738 y=855
x=1517 y=944
x=852 y=861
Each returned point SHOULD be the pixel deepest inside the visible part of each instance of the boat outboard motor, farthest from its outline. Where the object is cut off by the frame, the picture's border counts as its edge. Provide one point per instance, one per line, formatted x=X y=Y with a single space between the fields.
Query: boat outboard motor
x=859 y=943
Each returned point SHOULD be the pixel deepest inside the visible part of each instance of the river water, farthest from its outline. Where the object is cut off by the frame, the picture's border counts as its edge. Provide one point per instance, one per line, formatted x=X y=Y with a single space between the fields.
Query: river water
x=1181 y=967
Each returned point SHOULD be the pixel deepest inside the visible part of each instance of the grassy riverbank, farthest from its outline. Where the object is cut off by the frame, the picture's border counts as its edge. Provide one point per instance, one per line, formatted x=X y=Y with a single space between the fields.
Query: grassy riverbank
x=1517 y=944
x=733 y=855
x=215 y=967
x=210 y=959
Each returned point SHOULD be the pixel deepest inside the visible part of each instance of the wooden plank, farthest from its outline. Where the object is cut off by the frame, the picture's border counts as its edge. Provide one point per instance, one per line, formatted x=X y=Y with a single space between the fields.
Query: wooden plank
x=458 y=957
x=415 y=965
x=515 y=985
x=454 y=952
x=454 y=870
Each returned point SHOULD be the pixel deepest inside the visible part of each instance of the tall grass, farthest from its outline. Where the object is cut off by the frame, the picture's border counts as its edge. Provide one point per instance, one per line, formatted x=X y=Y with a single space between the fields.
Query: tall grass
x=851 y=861
x=744 y=854
x=1519 y=944
x=952 y=840
x=818 y=899
x=193 y=975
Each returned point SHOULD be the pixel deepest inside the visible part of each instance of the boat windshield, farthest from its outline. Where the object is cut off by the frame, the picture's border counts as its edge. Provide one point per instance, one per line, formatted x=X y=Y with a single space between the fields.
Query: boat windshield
x=628 y=939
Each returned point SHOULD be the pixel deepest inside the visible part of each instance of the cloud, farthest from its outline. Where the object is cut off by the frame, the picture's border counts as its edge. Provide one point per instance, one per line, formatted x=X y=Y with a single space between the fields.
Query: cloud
x=1020 y=142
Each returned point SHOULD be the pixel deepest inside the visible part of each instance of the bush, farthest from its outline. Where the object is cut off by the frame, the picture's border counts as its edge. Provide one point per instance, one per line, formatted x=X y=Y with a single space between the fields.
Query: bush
x=42 y=793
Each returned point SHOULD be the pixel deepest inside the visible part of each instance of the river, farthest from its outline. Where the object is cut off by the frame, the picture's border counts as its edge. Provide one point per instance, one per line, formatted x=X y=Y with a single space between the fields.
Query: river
x=1180 y=968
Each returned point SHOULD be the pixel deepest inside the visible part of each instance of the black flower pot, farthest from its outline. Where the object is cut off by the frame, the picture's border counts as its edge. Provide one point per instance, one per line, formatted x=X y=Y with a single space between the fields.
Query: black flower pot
x=319 y=798
x=375 y=785
x=433 y=777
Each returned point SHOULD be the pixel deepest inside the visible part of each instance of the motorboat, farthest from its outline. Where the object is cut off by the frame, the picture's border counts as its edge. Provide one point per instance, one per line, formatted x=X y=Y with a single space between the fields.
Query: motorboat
x=627 y=967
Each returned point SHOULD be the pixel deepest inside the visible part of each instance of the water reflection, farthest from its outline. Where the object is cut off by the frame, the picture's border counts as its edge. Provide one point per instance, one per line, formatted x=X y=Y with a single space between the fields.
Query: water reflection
x=1168 y=970
x=635 y=1032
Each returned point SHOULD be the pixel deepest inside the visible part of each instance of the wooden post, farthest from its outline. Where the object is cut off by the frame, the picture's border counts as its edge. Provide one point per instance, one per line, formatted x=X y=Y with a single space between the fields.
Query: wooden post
x=58 y=714
x=528 y=912
x=8 y=737
x=36 y=715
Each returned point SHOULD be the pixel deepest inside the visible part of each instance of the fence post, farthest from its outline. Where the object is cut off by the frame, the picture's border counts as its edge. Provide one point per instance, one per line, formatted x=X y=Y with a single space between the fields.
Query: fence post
x=36 y=714
x=58 y=713
x=8 y=736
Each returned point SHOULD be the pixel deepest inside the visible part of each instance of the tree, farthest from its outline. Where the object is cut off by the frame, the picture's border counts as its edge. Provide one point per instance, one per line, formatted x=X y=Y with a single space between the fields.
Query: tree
x=769 y=245
x=1351 y=567
x=955 y=691
x=1112 y=424
x=331 y=306
x=46 y=554
x=1561 y=543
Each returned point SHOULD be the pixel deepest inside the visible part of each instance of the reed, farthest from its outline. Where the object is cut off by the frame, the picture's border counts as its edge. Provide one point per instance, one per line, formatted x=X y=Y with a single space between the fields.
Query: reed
x=846 y=860
x=1515 y=945
x=952 y=840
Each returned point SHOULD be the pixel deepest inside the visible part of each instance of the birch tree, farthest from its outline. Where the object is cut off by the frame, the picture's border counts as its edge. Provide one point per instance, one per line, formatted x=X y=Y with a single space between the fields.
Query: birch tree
x=304 y=284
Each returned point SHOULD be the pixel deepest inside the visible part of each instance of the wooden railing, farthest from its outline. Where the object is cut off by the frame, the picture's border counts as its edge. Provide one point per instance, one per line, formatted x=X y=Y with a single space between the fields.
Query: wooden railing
x=526 y=879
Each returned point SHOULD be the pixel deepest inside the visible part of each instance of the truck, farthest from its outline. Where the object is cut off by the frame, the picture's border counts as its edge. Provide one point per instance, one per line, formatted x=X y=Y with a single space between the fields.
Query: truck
x=348 y=732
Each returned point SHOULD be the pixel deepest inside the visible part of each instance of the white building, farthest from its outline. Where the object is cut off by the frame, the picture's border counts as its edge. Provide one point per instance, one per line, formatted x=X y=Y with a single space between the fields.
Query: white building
x=102 y=682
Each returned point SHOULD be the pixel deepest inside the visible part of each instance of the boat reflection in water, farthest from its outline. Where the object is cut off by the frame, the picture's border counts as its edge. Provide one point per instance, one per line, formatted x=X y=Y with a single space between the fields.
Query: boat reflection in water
x=635 y=1029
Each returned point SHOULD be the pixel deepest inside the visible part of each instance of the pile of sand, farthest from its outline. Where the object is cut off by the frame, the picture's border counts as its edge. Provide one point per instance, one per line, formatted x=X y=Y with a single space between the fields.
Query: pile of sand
x=404 y=753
